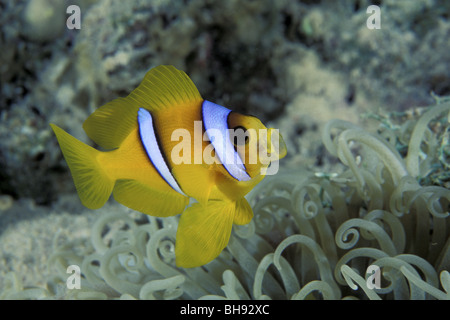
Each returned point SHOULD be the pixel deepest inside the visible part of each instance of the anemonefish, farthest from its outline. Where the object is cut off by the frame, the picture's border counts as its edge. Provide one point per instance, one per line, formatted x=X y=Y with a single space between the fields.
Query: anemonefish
x=163 y=146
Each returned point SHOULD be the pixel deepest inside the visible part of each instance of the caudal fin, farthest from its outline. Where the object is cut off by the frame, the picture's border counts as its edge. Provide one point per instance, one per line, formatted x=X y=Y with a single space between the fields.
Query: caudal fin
x=91 y=181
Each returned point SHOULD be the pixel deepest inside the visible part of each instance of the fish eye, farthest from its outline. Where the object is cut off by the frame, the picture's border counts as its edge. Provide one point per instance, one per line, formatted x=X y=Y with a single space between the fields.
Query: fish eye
x=240 y=136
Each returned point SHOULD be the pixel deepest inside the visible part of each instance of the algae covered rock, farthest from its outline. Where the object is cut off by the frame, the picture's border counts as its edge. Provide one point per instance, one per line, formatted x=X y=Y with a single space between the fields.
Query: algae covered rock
x=43 y=20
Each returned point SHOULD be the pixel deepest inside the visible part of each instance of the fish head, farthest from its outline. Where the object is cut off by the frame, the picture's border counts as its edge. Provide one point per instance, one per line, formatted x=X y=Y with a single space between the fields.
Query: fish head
x=257 y=145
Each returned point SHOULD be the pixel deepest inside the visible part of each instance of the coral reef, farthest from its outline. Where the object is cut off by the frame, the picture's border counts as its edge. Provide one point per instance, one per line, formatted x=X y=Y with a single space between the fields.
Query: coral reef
x=313 y=235
x=299 y=63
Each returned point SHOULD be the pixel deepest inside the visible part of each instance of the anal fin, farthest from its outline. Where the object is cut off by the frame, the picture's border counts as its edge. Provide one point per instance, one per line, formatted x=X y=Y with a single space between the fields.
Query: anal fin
x=154 y=202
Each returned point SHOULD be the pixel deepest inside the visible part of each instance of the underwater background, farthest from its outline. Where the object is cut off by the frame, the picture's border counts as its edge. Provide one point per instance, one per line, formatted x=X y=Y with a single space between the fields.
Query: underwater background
x=368 y=191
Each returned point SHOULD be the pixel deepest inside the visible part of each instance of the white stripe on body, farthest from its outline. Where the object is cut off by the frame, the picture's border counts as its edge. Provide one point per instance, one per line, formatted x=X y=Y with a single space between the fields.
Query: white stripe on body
x=150 y=143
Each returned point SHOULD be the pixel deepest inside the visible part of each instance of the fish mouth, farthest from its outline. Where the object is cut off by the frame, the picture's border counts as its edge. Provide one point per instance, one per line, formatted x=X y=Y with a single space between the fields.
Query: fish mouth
x=276 y=147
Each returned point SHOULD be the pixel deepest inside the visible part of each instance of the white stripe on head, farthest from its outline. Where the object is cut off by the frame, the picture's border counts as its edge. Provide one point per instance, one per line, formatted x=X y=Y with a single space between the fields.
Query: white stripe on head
x=150 y=143
x=215 y=120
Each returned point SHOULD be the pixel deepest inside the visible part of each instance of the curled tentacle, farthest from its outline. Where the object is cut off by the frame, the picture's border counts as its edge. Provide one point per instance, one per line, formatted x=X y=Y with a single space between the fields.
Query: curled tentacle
x=348 y=228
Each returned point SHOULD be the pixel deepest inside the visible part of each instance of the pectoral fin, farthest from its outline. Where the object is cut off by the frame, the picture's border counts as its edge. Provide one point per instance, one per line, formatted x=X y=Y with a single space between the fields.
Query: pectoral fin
x=244 y=212
x=195 y=180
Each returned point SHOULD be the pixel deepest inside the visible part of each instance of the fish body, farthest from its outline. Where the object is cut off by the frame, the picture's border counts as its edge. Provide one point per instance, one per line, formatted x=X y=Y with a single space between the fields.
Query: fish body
x=166 y=144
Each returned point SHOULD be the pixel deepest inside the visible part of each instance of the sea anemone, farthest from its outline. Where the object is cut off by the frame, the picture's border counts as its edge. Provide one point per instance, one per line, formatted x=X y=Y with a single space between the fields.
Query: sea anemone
x=379 y=229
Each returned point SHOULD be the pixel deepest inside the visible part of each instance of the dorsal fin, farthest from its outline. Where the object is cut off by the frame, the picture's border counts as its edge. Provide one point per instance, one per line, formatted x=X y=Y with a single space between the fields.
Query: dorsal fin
x=163 y=87
x=110 y=124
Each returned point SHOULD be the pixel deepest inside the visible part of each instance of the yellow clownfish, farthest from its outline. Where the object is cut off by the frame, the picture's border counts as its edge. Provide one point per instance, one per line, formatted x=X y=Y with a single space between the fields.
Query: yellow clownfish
x=167 y=145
